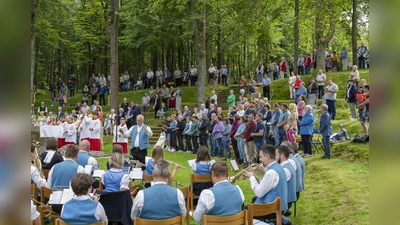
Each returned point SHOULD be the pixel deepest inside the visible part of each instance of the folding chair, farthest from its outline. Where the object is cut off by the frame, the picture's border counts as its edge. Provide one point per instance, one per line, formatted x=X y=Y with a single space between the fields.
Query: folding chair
x=236 y=219
x=178 y=220
x=197 y=178
x=185 y=191
x=318 y=143
x=61 y=222
x=147 y=179
x=265 y=209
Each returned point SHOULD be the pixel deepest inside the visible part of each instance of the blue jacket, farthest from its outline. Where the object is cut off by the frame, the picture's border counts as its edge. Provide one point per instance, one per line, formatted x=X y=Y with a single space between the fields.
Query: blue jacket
x=325 y=125
x=300 y=91
x=307 y=123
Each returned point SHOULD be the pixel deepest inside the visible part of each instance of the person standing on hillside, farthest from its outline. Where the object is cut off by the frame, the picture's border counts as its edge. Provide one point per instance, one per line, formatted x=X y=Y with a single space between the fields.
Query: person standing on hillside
x=300 y=65
x=231 y=100
x=362 y=53
x=282 y=68
x=308 y=63
x=344 y=57
x=330 y=96
x=266 y=82
x=224 y=75
x=325 y=128
x=364 y=114
x=243 y=84
x=321 y=77
x=260 y=71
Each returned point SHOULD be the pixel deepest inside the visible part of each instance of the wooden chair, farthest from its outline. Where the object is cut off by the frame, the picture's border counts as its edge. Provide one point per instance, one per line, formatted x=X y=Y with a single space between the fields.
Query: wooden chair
x=101 y=187
x=45 y=194
x=147 y=179
x=185 y=191
x=46 y=173
x=34 y=192
x=197 y=178
x=237 y=219
x=265 y=209
x=61 y=222
x=178 y=220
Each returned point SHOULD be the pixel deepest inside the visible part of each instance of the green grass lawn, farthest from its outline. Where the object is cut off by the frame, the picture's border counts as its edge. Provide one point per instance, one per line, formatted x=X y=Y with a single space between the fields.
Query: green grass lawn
x=337 y=190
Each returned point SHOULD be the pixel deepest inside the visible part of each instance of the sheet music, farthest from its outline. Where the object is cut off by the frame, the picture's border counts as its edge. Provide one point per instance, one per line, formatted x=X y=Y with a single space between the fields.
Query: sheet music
x=259 y=222
x=49 y=156
x=234 y=165
x=67 y=194
x=98 y=173
x=55 y=197
x=147 y=159
x=136 y=174
x=191 y=162
x=88 y=169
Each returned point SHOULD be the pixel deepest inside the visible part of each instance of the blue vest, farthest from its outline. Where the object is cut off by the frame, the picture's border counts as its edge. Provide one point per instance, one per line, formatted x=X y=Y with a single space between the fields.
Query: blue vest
x=299 y=171
x=112 y=180
x=160 y=202
x=279 y=191
x=63 y=173
x=143 y=138
x=83 y=158
x=202 y=168
x=150 y=167
x=79 y=211
x=291 y=183
x=303 y=169
x=227 y=200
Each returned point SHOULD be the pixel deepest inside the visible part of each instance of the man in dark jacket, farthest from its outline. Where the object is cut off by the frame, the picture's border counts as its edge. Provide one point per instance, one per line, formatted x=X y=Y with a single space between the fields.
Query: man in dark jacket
x=211 y=111
x=210 y=129
x=179 y=129
x=325 y=128
x=351 y=98
x=203 y=129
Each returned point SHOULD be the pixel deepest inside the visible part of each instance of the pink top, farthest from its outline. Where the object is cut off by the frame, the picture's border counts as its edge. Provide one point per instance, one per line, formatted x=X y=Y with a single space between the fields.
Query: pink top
x=290 y=135
x=300 y=108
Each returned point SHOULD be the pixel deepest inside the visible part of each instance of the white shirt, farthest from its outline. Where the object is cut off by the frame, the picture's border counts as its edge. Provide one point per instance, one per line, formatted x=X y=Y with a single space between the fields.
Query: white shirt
x=211 y=69
x=139 y=201
x=124 y=184
x=79 y=170
x=34 y=213
x=207 y=201
x=139 y=129
x=240 y=112
x=84 y=128
x=118 y=137
x=159 y=73
x=36 y=178
x=149 y=74
x=95 y=133
x=287 y=172
x=92 y=161
x=292 y=79
x=320 y=79
x=193 y=72
x=269 y=181
x=99 y=214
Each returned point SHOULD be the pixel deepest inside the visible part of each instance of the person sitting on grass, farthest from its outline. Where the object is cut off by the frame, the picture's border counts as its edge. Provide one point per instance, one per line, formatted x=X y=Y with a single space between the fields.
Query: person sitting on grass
x=82 y=209
x=341 y=135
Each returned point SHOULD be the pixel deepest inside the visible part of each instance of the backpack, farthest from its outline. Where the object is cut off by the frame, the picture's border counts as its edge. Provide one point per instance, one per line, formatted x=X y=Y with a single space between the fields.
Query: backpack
x=360 y=139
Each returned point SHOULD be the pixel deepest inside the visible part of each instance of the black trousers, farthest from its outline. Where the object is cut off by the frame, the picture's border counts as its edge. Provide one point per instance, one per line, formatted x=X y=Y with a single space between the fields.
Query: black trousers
x=139 y=154
x=235 y=148
x=102 y=99
x=306 y=141
x=224 y=79
x=266 y=91
x=203 y=139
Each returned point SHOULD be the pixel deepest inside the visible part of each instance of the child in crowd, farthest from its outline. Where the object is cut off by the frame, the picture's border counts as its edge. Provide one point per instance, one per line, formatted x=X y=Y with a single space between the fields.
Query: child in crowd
x=83 y=209
x=290 y=135
x=202 y=165
x=161 y=112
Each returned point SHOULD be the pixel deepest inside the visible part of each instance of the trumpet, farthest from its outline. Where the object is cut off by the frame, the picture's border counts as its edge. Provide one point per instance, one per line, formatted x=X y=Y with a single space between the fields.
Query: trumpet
x=169 y=161
x=252 y=168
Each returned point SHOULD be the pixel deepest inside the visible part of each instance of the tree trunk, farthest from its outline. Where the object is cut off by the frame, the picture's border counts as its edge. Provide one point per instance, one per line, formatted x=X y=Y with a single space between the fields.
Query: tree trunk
x=34 y=4
x=325 y=11
x=200 y=50
x=354 y=32
x=296 y=32
x=115 y=4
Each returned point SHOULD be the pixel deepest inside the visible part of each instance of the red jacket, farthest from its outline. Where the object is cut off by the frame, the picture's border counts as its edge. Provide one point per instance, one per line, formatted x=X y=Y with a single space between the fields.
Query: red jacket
x=308 y=61
x=282 y=66
x=250 y=128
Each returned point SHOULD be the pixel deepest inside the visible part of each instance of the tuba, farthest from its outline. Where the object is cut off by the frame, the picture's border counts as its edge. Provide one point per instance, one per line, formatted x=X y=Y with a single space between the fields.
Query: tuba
x=37 y=160
x=252 y=168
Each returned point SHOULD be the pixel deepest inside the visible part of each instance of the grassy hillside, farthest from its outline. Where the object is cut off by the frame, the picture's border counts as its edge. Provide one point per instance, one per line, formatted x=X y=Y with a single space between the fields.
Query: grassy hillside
x=337 y=190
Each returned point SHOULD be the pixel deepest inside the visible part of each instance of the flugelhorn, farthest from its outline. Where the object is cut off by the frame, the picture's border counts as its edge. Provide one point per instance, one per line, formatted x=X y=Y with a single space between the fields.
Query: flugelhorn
x=169 y=161
x=37 y=160
x=252 y=168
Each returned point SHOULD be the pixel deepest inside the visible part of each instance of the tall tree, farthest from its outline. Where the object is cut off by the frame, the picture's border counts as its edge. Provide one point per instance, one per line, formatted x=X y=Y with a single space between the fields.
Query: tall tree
x=200 y=50
x=325 y=10
x=354 y=32
x=34 y=4
x=296 y=32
